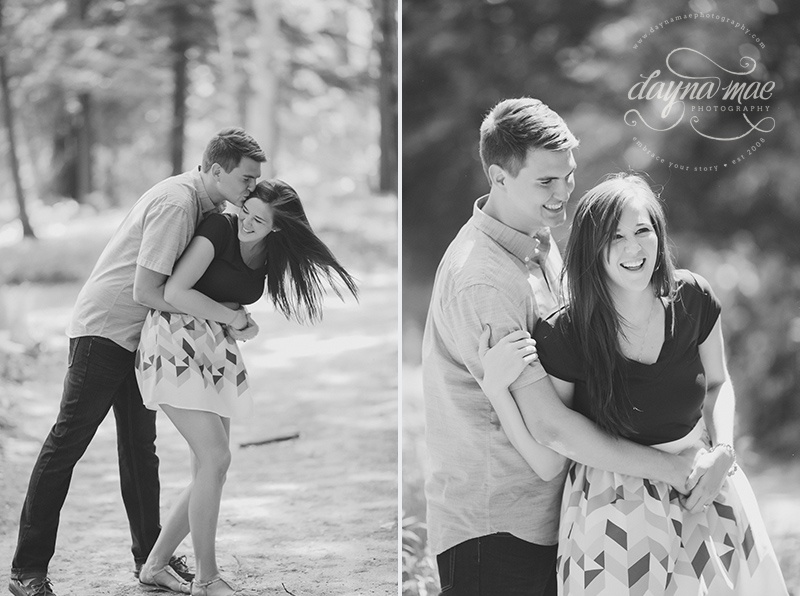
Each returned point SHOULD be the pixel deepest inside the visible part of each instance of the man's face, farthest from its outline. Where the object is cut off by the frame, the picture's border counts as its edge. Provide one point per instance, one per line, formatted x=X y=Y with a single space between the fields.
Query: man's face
x=537 y=196
x=235 y=186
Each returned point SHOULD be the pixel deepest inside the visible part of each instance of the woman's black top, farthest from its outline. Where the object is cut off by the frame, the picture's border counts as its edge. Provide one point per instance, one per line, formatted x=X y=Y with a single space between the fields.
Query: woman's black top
x=666 y=396
x=228 y=278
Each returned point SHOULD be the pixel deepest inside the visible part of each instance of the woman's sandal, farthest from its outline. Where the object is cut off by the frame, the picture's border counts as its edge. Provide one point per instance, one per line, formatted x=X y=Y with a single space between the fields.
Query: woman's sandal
x=202 y=588
x=167 y=579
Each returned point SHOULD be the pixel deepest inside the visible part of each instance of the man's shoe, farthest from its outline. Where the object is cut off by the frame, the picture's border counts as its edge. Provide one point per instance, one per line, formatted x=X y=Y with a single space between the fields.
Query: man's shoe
x=31 y=586
x=180 y=567
x=178 y=564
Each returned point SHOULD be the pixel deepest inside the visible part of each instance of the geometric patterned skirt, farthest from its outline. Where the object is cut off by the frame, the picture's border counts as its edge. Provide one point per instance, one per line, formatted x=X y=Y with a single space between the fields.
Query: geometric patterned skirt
x=624 y=535
x=191 y=363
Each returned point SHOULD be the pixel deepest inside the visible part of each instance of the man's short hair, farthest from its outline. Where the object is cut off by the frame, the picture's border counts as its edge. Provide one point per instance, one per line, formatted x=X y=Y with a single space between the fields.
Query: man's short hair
x=228 y=147
x=514 y=127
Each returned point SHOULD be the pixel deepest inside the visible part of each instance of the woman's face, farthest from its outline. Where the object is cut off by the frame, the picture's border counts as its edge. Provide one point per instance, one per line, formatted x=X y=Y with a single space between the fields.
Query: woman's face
x=633 y=251
x=255 y=220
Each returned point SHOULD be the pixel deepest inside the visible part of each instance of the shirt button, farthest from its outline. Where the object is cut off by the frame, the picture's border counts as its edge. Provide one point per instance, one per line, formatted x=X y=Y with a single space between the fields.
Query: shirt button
x=527 y=259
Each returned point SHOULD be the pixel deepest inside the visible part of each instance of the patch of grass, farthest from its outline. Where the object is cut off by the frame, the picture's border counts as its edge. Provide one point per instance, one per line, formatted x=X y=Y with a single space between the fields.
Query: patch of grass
x=50 y=260
x=419 y=564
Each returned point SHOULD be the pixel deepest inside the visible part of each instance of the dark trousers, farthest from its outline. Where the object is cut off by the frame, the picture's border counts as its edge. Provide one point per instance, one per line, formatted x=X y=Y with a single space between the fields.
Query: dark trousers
x=100 y=375
x=498 y=565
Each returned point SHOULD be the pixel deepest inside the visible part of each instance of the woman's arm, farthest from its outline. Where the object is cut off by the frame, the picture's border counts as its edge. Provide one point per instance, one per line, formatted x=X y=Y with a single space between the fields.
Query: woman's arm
x=179 y=291
x=502 y=365
x=718 y=414
x=555 y=428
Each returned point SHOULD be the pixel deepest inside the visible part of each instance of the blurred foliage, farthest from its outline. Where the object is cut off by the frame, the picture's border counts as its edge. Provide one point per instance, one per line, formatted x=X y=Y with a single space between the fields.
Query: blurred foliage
x=119 y=52
x=736 y=226
x=419 y=565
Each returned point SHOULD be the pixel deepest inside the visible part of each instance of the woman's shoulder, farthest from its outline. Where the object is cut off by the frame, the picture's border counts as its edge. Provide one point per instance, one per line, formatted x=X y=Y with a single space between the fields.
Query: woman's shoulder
x=697 y=303
x=217 y=218
x=689 y=284
x=217 y=223
x=559 y=350
x=555 y=327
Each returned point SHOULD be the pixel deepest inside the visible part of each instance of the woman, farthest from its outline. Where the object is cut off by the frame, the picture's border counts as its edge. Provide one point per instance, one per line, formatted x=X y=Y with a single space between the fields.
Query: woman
x=639 y=350
x=190 y=366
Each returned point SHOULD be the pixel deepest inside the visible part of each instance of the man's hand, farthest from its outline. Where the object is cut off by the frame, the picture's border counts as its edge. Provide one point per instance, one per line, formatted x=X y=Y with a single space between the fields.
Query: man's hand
x=504 y=362
x=707 y=478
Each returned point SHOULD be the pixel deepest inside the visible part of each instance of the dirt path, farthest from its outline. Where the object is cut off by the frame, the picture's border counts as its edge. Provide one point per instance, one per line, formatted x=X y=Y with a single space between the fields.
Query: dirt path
x=314 y=515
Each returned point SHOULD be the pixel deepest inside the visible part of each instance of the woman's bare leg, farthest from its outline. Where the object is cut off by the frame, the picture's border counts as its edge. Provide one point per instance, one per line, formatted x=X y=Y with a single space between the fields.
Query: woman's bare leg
x=175 y=528
x=197 y=507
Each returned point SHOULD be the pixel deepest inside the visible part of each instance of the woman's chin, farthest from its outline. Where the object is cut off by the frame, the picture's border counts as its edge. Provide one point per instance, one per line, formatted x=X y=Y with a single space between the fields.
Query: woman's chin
x=249 y=238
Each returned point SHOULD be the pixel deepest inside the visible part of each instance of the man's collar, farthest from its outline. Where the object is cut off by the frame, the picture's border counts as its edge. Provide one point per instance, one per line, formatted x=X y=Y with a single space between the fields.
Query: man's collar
x=521 y=245
x=206 y=204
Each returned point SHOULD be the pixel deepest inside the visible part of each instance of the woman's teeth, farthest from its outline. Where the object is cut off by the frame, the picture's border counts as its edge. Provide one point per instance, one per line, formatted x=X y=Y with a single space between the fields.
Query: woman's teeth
x=633 y=265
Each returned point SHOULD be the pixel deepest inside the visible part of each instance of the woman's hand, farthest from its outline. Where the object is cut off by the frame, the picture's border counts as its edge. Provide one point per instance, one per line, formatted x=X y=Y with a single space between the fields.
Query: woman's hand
x=504 y=362
x=684 y=464
x=249 y=331
x=240 y=320
x=706 y=480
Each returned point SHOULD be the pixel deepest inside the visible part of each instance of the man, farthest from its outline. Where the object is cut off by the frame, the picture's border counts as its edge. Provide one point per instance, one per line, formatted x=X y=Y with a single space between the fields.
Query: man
x=492 y=521
x=126 y=282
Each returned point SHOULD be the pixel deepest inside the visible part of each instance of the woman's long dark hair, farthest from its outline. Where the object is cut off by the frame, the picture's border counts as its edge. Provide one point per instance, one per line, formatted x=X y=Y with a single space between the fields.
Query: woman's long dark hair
x=297 y=260
x=591 y=312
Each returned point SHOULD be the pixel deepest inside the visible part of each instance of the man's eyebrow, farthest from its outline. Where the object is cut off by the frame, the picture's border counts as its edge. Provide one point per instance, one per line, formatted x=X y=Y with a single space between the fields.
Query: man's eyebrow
x=572 y=171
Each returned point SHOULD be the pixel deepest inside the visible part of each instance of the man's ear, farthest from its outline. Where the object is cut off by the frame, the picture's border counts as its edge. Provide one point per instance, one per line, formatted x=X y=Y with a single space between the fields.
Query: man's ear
x=216 y=169
x=497 y=175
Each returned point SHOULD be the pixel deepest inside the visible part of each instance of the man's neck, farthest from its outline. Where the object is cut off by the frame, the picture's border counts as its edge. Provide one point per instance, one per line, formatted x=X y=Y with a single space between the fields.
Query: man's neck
x=211 y=189
x=493 y=208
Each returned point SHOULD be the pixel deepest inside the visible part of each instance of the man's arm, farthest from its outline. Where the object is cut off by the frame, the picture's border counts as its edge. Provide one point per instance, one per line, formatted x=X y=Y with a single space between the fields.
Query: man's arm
x=179 y=288
x=502 y=365
x=574 y=436
x=148 y=289
x=472 y=315
x=546 y=462
x=153 y=289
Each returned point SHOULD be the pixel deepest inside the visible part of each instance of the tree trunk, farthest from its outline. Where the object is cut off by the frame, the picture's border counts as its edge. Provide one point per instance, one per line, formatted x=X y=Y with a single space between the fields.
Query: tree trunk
x=268 y=60
x=180 y=73
x=177 y=134
x=8 y=117
x=233 y=51
x=84 y=141
x=386 y=15
x=81 y=129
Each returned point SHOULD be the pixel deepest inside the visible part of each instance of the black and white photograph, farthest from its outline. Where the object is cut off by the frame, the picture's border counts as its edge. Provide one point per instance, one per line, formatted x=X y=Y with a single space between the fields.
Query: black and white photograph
x=198 y=232
x=601 y=297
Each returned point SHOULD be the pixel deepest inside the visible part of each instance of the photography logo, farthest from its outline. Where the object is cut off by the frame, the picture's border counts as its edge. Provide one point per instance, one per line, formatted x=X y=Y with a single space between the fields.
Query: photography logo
x=721 y=93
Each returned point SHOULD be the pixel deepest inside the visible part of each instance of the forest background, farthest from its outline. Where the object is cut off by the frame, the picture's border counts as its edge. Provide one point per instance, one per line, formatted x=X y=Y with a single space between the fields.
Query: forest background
x=736 y=222
x=101 y=100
